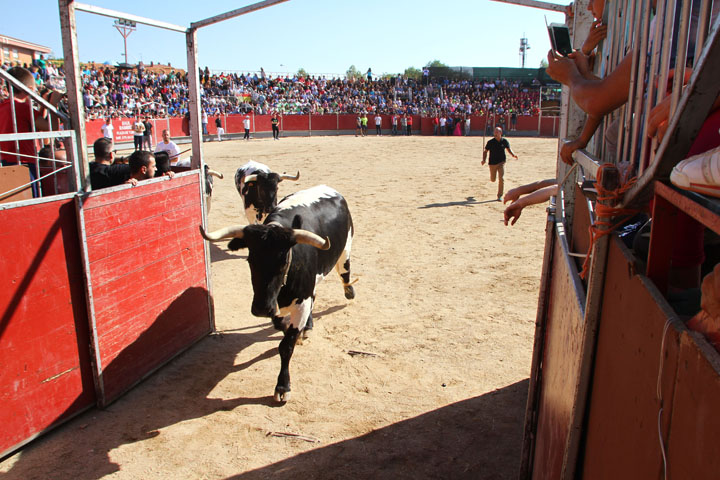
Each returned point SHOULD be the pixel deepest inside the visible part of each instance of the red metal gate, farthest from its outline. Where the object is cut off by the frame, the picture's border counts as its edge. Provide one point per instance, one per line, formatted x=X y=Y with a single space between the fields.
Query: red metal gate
x=146 y=278
x=145 y=292
x=45 y=372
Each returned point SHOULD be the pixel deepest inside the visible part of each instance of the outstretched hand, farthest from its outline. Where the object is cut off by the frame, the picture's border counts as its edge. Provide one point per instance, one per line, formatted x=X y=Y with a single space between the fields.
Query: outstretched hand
x=512 y=212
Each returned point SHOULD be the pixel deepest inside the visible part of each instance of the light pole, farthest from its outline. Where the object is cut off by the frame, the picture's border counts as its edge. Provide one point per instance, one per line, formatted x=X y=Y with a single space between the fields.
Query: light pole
x=524 y=47
x=125 y=27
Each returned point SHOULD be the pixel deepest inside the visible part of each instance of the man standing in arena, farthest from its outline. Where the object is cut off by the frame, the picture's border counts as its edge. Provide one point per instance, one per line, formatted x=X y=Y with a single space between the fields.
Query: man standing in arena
x=147 y=134
x=378 y=124
x=246 y=126
x=497 y=146
x=138 y=130
x=275 y=122
x=107 y=130
x=221 y=130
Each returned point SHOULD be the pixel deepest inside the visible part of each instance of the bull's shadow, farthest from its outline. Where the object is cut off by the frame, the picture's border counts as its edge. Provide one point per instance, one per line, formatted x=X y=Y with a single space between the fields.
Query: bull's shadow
x=179 y=391
x=477 y=438
x=469 y=201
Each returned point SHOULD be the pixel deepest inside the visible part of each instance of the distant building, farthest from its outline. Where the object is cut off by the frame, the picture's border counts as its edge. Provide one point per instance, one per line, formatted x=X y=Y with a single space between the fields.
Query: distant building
x=19 y=52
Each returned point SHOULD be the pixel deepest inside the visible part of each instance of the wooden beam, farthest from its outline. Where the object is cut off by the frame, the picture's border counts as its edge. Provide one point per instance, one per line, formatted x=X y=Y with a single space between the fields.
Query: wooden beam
x=537 y=4
x=235 y=13
x=105 y=12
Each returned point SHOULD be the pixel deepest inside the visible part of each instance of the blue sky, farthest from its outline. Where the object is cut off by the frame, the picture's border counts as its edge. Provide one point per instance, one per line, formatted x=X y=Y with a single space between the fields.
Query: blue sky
x=321 y=36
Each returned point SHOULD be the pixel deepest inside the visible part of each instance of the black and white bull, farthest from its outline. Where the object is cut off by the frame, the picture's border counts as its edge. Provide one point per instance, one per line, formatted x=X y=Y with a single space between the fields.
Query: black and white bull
x=303 y=238
x=258 y=186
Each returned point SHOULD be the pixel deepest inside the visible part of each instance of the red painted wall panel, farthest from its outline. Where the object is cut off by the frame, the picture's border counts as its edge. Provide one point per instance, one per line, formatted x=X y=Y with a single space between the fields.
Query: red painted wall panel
x=262 y=123
x=347 y=122
x=147 y=269
x=324 y=122
x=295 y=122
x=45 y=373
x=179 y=127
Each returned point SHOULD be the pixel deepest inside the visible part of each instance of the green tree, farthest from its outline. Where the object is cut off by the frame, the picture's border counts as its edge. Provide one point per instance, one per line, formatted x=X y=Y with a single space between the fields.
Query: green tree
x=414 y=73
x=439 y=69
x=543 y=63
x=302 y=73
x=353 y=73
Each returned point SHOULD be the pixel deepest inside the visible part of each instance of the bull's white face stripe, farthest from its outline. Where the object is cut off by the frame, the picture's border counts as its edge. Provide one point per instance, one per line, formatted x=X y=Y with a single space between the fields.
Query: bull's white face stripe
x=299 y=313
x=251 y=215
x=253 y=166
x=307 y=197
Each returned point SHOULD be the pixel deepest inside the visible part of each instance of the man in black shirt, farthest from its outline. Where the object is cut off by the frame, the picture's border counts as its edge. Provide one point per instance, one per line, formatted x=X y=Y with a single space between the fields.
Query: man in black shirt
x=497 y=146
x=103 y=173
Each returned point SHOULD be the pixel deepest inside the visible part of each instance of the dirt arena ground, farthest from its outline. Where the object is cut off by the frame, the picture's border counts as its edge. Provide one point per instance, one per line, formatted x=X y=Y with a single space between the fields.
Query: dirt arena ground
x=444 y=313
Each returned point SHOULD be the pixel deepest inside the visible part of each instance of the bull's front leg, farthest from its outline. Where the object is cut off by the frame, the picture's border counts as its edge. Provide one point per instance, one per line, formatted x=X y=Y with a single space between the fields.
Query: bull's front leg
x=287 y=345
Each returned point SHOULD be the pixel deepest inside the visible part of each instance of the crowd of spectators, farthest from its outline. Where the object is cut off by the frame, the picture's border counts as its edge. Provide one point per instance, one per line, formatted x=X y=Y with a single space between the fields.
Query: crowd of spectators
x=118 y=92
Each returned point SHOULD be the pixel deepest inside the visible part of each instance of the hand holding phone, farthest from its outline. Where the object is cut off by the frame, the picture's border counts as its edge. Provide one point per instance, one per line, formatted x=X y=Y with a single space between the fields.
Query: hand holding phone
x=559 y=38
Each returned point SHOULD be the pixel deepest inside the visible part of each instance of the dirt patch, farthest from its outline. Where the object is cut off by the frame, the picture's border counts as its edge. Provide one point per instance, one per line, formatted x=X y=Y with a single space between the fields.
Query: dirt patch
x=445 y=304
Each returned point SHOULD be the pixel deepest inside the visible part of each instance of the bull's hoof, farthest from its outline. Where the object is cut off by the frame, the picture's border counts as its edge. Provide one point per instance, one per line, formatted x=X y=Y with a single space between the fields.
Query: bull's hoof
x=305 y=333
x=282 y=395
x=349 y=292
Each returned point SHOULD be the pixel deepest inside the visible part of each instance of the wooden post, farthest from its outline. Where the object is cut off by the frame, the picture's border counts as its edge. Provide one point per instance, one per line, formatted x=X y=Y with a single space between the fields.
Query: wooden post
x=73 y=83
x=593 y=309
x=194 y=93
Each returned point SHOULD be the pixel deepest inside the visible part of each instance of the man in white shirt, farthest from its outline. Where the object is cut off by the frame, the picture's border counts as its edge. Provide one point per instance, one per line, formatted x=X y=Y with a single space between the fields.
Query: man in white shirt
x=378 y=124
x=138 y=130
x=246 y=126
x=107 y=129
x=168 y=146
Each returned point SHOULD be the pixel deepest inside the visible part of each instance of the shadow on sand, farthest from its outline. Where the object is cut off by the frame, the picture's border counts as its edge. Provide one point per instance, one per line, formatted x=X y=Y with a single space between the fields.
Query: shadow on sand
x=478 y=438
x=178 y=392
x=464 y=203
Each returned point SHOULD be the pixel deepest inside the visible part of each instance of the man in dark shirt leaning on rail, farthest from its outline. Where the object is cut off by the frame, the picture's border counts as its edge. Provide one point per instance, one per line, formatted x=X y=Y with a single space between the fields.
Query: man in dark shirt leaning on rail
x=497 y=146
x=103 y=172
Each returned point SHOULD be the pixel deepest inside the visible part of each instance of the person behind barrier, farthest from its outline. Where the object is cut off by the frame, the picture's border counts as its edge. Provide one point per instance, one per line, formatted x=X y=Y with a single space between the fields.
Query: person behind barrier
x=103 y=172
x=143 y=166
x=168 y=146
x=22 y=122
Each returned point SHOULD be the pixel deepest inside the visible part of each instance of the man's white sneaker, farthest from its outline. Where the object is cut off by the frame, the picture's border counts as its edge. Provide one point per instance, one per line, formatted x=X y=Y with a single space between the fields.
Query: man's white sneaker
x=699 y=173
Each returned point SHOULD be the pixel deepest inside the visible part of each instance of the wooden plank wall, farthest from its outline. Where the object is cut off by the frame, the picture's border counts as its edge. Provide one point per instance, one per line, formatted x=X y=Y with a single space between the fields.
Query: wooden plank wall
x=559 y=371
x=45 y=373
x=622 y=430
x=148 y=279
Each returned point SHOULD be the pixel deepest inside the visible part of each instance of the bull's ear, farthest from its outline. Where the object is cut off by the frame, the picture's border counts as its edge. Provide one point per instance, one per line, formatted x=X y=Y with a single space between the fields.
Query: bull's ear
x=237 y=244
x=297 y=222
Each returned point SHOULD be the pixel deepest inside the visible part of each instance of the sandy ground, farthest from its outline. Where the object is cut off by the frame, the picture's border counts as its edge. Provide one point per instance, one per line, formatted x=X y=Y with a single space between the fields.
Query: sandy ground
x=445 y=310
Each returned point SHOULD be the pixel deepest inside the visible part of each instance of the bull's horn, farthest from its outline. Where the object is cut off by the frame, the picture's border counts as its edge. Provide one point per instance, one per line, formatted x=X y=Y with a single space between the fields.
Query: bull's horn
x=309 y=238
x=235 y=231
x=286 y=176
x=250 y=178
x=215 y=174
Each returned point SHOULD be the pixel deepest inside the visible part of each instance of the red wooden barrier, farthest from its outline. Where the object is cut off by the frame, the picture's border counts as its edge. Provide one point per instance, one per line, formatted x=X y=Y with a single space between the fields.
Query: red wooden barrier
x=324 y=122
x=148 y=281
x=45 y=373
x=179 y=127
x=347 y=122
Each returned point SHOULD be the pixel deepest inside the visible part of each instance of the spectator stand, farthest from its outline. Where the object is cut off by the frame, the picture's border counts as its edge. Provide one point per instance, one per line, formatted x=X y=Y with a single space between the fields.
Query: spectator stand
x=620 y=387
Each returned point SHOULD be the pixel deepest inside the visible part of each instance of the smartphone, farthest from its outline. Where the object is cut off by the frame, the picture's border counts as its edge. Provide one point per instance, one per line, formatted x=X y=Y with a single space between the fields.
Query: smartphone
x=559 y=38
